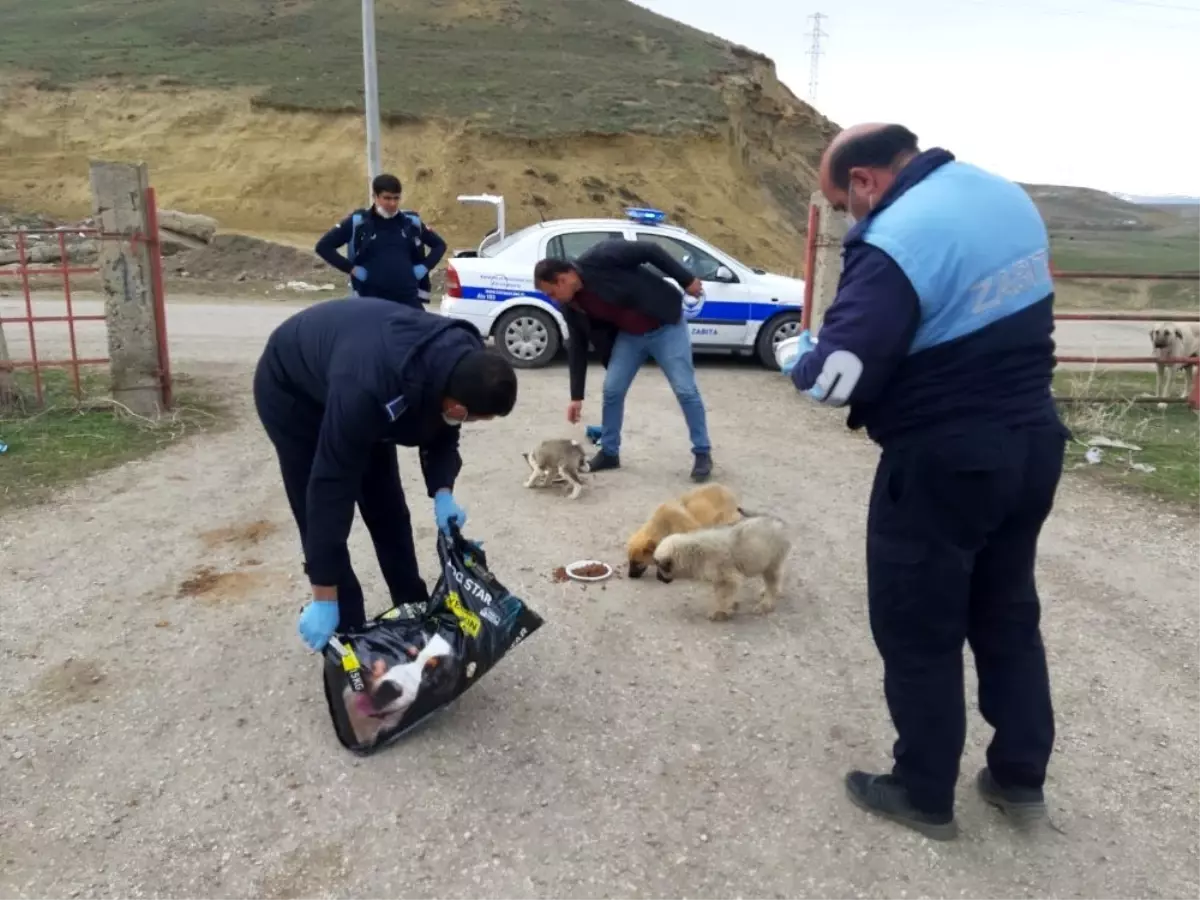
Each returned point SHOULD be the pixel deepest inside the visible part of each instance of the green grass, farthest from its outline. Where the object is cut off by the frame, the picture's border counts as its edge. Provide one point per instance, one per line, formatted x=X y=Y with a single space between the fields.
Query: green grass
x=1168 y=249
x=1169 y=439
x=530 y=67
x=69 y=439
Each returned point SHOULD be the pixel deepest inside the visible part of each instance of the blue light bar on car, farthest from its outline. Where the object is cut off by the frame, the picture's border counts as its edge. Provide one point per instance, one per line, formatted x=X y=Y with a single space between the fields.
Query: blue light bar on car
x=649 y=216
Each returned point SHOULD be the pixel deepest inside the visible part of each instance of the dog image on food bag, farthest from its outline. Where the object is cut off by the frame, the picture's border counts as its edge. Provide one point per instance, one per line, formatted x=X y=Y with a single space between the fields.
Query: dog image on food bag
x=710 y=504
x=389 y=691
x=561 y=458
x=753 y=547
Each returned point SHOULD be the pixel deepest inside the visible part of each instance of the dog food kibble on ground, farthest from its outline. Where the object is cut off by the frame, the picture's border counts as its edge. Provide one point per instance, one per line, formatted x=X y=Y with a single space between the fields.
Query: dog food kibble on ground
x=559 y=574
x=592 y=570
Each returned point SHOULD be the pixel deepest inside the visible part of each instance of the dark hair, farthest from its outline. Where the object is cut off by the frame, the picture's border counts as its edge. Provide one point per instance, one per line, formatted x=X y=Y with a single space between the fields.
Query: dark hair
x=876 y=149
x=484 y=383
x=385 y=184
x=548 y=270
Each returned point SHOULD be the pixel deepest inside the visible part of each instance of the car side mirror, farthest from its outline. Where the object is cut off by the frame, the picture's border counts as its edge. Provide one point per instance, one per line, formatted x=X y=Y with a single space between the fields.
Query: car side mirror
x=725 y=274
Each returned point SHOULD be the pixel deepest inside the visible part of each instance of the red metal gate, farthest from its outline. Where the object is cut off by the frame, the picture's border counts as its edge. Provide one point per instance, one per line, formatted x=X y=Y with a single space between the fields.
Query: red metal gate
x=27 y=268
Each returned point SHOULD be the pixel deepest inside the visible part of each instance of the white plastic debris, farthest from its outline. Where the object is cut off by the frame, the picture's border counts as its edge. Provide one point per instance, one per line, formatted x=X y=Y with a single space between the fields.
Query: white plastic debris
x=1098 y=441
x=1094 y=455
x=1142 y=467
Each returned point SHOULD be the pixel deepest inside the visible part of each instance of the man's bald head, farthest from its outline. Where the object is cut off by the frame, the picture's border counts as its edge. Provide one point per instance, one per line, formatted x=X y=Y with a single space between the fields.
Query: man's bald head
x=862 y=162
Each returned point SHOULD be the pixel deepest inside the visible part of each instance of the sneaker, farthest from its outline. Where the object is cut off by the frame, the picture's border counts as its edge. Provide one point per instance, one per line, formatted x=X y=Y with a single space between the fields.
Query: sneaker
x=702 y=467
x=885 y=796
x=602 y=461
x=1021 y=805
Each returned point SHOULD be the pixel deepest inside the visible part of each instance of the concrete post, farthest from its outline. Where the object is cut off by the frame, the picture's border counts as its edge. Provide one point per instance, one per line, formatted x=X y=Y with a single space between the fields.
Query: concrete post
x=827 y=267
x=119 y=205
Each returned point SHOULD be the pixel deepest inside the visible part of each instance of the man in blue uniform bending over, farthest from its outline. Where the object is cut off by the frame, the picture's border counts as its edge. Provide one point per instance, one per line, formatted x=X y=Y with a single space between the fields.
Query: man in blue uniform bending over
x=939 y=341
x=338 y=386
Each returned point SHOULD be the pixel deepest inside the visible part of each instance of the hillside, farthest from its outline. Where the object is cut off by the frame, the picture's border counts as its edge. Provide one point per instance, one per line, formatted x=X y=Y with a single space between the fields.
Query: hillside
x=245 y=110
x=1087 y=209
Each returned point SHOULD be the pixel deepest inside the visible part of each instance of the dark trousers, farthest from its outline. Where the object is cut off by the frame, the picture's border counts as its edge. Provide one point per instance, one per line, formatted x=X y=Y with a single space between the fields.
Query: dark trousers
x=951 y=545
x=293 y=426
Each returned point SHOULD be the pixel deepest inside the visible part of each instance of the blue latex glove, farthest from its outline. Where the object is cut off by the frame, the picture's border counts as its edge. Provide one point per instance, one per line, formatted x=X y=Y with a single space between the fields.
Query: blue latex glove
x=806 y=345
x=359 y=273
x=318 y=622
x=445 y=508
x=420 y=271
x=414 y=218
x=593 y=433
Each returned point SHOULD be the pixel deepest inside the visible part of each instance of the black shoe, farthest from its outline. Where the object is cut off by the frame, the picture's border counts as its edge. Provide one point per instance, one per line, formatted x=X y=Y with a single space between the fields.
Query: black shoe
x=702 y=467
x=884 y=795
x=1022 y=805
x=602 y=461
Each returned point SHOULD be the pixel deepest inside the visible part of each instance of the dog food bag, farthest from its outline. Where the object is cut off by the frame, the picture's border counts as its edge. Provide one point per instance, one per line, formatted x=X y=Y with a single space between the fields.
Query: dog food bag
x=385 y=678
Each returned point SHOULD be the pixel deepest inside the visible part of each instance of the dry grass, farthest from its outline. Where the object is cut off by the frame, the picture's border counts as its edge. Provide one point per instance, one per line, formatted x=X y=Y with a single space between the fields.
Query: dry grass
x=70 y=438
x=294 y=174
x=1166 y=462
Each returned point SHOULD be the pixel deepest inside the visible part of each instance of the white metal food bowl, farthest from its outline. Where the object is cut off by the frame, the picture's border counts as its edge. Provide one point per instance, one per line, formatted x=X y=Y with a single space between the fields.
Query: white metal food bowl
x=787 y=351
x=573 y=568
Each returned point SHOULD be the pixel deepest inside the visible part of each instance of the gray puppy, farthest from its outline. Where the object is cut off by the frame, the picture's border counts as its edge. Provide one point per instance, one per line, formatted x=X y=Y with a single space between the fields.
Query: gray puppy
x=561 y=458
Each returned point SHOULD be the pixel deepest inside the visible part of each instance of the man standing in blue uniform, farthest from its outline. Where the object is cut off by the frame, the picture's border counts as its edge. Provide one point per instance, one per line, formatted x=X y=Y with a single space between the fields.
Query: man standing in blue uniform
x=338 y=386
x=939 y=341
x=390 y=252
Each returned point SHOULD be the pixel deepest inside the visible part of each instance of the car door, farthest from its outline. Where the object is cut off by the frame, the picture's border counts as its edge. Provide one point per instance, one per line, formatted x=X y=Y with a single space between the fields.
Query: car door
x=719 y=317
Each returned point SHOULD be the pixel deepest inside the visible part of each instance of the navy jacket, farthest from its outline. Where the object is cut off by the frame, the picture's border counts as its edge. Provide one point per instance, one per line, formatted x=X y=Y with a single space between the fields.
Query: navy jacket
x=944 y=311
x=617 y=270
x=388 y=249
x=373 y=371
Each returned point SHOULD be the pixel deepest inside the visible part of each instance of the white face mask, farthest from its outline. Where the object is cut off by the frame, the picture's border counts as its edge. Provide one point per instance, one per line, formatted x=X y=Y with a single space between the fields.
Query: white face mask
x=384 y=214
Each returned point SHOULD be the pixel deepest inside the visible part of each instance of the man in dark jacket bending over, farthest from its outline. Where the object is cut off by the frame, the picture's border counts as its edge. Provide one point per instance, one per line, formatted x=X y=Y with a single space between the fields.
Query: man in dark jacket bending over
x=389 y=251
x=338 y=386
x=939 y=341
x=629 y=314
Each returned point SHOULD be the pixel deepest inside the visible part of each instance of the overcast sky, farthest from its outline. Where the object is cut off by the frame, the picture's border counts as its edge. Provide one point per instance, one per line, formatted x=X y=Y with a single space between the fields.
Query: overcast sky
x=1097 y=93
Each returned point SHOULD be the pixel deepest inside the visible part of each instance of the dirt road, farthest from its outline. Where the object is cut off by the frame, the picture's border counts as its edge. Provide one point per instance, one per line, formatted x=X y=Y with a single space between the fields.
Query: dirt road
x=206 y=330
x=163 y=732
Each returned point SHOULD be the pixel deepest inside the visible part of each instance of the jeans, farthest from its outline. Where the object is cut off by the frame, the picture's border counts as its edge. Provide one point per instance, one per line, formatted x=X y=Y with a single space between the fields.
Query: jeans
x=952 y=535
x=671 y=347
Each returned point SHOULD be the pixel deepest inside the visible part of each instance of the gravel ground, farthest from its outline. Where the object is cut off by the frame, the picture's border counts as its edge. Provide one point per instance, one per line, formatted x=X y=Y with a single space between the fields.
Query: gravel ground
x=163 y=731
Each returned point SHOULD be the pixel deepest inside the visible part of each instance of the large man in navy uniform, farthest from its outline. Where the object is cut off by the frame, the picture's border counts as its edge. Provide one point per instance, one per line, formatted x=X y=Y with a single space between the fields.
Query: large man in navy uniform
x=939 y=341
x=339 y=386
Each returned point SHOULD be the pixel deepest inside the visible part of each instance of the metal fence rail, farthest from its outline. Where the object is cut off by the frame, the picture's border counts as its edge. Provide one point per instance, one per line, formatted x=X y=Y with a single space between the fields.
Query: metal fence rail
x=26 y=269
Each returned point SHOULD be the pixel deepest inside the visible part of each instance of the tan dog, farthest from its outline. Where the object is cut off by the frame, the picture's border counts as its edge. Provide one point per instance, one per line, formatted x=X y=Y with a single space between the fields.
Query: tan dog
x=1174 y=340
x=710 y=504
x=753 y=547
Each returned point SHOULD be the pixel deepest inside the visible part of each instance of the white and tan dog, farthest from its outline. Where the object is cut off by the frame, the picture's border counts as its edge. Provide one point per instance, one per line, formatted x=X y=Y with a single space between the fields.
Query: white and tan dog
x=753 y=547
x=1174 y=340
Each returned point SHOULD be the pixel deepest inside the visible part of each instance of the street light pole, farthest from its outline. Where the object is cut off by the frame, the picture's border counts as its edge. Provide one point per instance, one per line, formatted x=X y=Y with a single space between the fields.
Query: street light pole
x=371 y=92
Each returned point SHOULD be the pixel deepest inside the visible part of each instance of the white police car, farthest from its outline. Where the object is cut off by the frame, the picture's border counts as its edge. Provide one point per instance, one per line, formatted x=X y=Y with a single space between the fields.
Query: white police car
x=741 y=310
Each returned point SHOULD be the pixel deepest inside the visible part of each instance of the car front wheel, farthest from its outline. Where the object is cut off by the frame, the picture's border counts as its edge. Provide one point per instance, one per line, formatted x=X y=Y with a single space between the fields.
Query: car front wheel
x=527 y=337
x=780 y=328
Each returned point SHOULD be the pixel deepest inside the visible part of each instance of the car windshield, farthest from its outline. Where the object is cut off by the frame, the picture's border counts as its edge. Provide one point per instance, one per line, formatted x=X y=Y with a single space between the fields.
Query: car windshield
x=509 y=240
